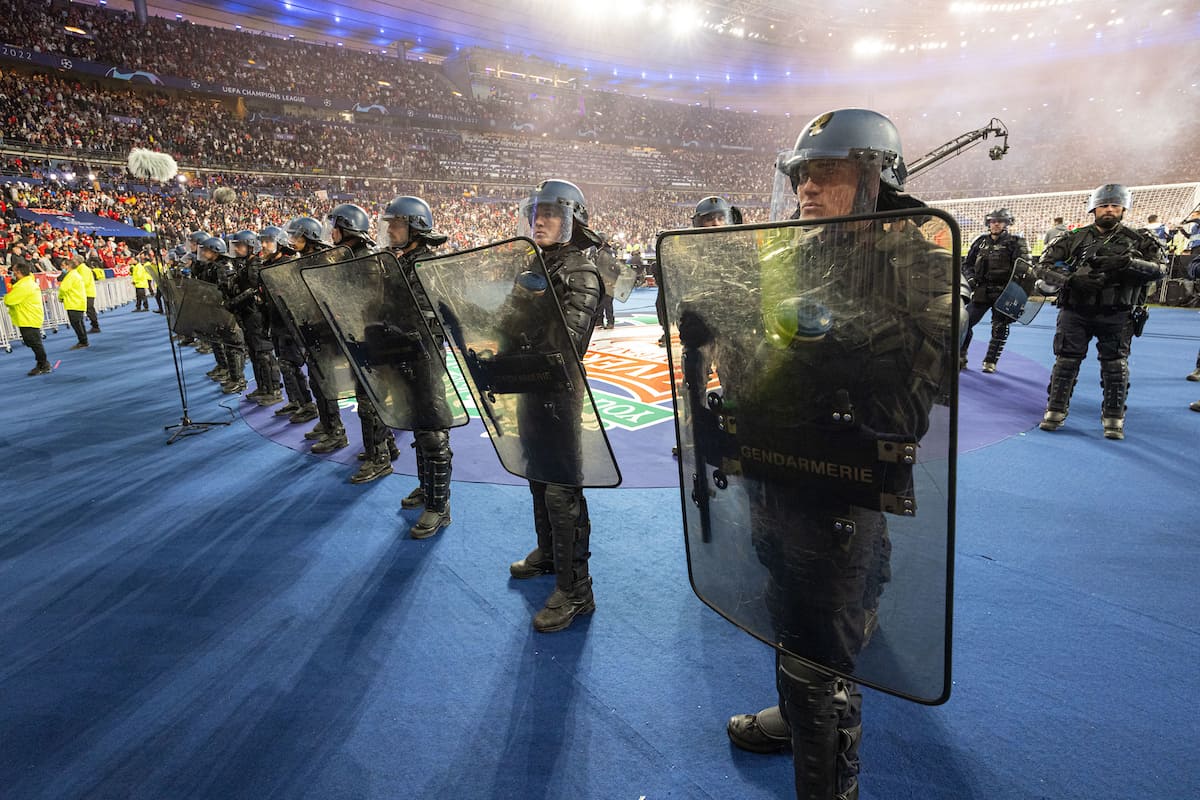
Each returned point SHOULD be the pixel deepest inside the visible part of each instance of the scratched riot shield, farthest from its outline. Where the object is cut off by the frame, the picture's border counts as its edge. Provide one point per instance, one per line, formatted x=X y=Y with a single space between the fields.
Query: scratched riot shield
x=306 y=324
x=376 y=320
x=506 y=330
x=202 y=313
x=168 y=283
x=816 y=394
x=623 y=287
x=1014 y=302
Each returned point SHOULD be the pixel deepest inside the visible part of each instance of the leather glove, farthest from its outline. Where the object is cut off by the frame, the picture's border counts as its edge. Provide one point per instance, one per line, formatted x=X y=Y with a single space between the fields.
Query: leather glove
x=1085 y=282
x=1111 y=263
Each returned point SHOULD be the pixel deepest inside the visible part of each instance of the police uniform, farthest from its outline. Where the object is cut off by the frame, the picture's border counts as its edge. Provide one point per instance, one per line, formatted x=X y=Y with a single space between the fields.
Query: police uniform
x=1103 y=275
x=988 y=267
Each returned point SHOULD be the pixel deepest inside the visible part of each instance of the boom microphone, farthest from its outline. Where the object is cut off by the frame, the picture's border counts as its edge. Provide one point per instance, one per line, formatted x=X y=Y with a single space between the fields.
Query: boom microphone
x=224 y=195
x=154 y=166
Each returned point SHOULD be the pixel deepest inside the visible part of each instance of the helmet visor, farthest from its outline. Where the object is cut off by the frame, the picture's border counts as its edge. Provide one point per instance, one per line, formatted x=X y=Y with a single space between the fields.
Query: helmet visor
x=819 y=187
x=394 y=231
x=712 y=219
x=547 y=222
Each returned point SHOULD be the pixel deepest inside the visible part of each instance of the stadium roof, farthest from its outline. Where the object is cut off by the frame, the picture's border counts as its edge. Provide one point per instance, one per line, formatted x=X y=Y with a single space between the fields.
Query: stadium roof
x=741 y=50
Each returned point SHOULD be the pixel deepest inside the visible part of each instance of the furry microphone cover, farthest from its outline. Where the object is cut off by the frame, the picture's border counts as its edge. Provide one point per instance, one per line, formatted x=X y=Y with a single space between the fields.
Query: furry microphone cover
x=149 y=164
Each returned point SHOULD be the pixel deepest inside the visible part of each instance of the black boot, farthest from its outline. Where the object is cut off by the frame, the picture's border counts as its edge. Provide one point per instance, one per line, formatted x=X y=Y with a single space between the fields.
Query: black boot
x=334 y=440
x=572 y=529
x=995 y=346
x=1114 y=381
x=764 y=732
x=1058 y=400
x=540 y=560
x=825 y=716
x=435 y=447
x=370 y=470
x=306 y=413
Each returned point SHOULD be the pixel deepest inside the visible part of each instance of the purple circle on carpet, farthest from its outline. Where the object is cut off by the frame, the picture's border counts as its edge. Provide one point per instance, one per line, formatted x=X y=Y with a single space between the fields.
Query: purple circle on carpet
x=628 y=375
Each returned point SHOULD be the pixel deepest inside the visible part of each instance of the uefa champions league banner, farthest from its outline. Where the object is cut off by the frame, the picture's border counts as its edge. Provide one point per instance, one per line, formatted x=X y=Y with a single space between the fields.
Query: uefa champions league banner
x=63 y=63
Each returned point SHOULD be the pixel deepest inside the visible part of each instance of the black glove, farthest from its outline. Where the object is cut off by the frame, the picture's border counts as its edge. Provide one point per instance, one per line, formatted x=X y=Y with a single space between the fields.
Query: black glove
x=1111 y=263
x=1085 y=282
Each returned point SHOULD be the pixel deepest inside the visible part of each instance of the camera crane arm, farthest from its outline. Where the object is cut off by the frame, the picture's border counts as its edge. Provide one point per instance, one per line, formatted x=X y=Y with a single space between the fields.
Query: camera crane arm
x=962 y=143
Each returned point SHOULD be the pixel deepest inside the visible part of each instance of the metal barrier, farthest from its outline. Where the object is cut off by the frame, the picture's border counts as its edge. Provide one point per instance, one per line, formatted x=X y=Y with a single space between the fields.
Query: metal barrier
x=8 y=332
x=55 y=314
x=113 y=292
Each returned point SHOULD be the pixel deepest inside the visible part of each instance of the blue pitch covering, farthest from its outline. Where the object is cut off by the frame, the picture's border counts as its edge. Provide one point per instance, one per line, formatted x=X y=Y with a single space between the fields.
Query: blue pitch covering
x=229 y=618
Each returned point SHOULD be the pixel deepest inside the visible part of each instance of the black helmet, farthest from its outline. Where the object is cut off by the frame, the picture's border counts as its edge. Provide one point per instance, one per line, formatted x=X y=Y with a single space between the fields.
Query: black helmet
x=861 y=136
x=716 y=208
x=305 y=228
x=562 y=199
x=1110 y=194
x=999 y=215
x=273 y=233
x=416 y=213
x=351 y=219
x=248 y=238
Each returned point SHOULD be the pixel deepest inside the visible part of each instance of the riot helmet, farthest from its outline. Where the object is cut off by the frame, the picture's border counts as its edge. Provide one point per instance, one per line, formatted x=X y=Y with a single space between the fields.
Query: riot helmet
x=418 y=223
x=351 y=220
x=247 y=239
x=273 y=233
x=212 y=248
x=839 y=164
x=1110 y=194
x=195 y=239
x=303 y=231
x=715 y=211
x=999 y=215
x=551 y=213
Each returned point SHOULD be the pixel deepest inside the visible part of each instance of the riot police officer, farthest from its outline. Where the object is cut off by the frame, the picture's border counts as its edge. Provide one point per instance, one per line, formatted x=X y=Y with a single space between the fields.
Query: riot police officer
x=189 y=265
x=247 y=304
x=870 y=337
x=555 y=217
x=406 y=228
x=348 y=225
x=715 y=211
x=289 y=355
x=1106 y=267
x=988 y=268
x=307 y=236
x=217 y=267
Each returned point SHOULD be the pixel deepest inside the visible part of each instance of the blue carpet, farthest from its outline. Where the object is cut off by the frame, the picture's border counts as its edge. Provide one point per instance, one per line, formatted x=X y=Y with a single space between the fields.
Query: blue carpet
x=229 y=618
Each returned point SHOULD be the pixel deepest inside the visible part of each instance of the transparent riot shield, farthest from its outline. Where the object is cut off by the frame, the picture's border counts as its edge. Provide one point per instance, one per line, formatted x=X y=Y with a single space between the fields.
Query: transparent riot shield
x=506 y=330
x=816 y=396
x=168 y=283
x=376 y=320
x=1014 y=302
x=624 y=284
x=202 y=313
x=306 y=324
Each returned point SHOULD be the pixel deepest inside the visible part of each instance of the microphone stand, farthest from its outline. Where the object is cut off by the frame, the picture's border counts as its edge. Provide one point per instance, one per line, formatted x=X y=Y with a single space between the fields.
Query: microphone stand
x=186 y=426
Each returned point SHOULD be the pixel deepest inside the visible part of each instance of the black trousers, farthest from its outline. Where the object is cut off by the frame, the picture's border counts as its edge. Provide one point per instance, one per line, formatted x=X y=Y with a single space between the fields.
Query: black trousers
x=76 y=318
x=140 y=300
x=1076 y=327
x=32 y=337
x=91 y=313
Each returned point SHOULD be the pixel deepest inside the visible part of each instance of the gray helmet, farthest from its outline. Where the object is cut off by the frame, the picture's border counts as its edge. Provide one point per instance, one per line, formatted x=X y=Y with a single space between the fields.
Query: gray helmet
x=419 y=216
x=561 y=199
x=216 y=245
x=719 y=206
x=854 y=133
x=248 y=238
x=1110 y=194
x=999 y=215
